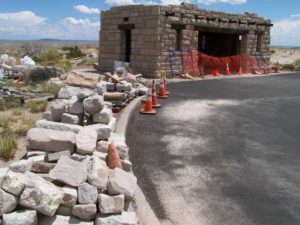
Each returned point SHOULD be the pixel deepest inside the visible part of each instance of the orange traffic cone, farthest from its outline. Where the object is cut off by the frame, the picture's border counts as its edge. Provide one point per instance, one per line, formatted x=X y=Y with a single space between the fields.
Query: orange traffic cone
x=154 y=96
x=162 y=91
x=113 y=158
x=165 y=86
x=266 y=69
x=215 y=73
x=240 y=71
x=227 y=71
x=148 y=103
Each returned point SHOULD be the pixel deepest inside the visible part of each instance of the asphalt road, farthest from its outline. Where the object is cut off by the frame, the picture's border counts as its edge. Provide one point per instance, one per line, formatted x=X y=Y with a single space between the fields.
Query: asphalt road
x=222 y=152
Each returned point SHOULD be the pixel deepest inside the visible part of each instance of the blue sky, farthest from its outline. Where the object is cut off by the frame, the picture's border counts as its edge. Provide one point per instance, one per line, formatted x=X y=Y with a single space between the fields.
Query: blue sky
x=79 y=19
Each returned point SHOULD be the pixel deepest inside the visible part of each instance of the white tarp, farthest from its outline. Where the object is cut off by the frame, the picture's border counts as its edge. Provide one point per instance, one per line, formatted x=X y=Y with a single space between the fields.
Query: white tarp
x=5 y=59
x=27 y=61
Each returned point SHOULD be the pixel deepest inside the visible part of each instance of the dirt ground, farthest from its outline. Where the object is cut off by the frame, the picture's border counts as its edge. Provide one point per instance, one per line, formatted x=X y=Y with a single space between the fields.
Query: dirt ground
x=285 y=55
x=21 y=150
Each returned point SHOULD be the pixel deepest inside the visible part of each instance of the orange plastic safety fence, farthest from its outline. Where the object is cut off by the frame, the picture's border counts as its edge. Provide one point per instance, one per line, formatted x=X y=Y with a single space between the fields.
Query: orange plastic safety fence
x=196 y=63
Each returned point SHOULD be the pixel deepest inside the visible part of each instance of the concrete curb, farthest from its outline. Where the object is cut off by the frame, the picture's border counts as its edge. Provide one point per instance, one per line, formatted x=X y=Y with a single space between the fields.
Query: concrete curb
x=145 y=214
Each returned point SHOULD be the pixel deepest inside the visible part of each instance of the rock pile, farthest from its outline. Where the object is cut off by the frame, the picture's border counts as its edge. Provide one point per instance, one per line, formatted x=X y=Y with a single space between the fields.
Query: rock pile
x=65 y=178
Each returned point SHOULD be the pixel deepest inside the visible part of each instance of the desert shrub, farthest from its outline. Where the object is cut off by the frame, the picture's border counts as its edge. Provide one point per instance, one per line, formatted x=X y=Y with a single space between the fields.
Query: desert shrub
x=37 y=106
x=74 y=52
x=65 y=64
x=297 y=63
x=51 y=88
x=49 y=56
x=89 y=61
x=288 y=67
x=12 y=83
x=8 y=146
x=17 y=112
x=11 y=102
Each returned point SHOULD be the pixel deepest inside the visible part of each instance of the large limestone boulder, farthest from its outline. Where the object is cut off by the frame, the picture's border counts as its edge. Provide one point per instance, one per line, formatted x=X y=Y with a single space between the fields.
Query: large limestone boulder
x=68 y=92
x=54 y=157
x=93 y=104
x=8 y=202
x=14 y=183
x=101 y=88
x=62 y=220
x=20 y=217
x=87 y=194
x=121 y=182
x=3 y=172
x=41 y=195
x=104 y=116
x=71 y=119
x=57 y=126
x=50 y=140
x=58 y=108
x=75 y=106
x=70 y=171
x=89 y=80
x=126 y=218
x=42 y=167
x=103 y=131
x=110 y=204
x=98 y=175
x=85 y=212
x=86 y=140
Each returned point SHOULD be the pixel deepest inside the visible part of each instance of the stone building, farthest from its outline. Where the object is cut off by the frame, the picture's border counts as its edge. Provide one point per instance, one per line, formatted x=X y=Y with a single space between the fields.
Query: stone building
x=143 y=35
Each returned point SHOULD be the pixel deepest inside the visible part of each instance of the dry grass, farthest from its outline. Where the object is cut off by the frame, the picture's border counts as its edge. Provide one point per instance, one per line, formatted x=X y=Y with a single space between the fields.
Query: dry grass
x=8 y=147
x=37 y=106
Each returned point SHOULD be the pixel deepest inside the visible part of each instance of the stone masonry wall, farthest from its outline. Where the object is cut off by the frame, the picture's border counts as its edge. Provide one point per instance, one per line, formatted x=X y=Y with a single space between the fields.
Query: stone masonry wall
x=155 y=33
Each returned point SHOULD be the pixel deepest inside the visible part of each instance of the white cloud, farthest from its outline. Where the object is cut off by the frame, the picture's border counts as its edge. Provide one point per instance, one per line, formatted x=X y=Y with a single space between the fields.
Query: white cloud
x=233 y=2
x=86 y=10
x=286 y=31
x=27 y=25
x=27 y=18
x=173 y=2
x=119 y=2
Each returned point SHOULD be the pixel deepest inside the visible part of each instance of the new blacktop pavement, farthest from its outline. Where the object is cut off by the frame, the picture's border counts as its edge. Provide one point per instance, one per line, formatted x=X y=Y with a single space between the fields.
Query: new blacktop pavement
x=222 y=152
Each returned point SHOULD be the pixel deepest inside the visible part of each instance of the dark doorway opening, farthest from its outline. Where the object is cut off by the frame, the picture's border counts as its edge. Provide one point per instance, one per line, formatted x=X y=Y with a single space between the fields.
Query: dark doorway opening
x=219 y=44
x=127 y=45
x=125 y=41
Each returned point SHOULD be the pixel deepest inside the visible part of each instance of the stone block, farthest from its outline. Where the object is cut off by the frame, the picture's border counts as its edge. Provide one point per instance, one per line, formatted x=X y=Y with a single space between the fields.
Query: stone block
x=93 y=104
x=70 y=196
x=70 y=119
x=98 y=175
x=87 y=194
x=88 y=80
x=50 y=140
x=20 y=217
x=58 y=126
x=69 y=171
x=121 y=182
x=42 y=167
x=8 y=202
x=54 y=157
x=21 y=166
x=68 y=92
x=111 y=204
x=126 y=218
x=104 y=116
x=41 y=195
x=85 y=212
x=86 y=140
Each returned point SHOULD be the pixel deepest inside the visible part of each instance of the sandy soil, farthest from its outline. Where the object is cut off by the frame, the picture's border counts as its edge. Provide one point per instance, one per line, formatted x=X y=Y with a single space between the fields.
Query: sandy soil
x=285 y=55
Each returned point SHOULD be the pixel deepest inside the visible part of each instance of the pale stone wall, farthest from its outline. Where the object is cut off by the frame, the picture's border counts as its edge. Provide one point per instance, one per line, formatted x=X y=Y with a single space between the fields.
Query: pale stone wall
x=155 y=33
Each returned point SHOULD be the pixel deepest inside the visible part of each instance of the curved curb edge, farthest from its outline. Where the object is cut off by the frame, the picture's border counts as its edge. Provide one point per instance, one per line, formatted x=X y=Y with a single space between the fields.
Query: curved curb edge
x=145 y=214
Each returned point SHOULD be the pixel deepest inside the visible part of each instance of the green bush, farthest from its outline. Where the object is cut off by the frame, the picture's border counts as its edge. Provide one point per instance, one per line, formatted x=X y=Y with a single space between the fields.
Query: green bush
x=49 y=56
x=297 y=63
x=37 y=106
x=51 y=88
x=74 y=52
x=65 y=64
x=90 y=61
x=13 y=102
x=8 y=147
